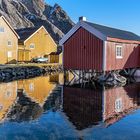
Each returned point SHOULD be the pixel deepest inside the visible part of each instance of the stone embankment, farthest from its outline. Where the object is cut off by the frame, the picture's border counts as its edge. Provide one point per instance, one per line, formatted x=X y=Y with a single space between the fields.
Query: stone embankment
x=24 y=72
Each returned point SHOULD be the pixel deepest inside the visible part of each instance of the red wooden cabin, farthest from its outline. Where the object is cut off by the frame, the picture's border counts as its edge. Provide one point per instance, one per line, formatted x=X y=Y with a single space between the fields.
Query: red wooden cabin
x=89 y=46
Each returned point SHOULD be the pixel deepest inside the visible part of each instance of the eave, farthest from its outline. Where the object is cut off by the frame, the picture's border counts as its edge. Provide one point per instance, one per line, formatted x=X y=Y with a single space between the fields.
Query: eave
x=122 y=40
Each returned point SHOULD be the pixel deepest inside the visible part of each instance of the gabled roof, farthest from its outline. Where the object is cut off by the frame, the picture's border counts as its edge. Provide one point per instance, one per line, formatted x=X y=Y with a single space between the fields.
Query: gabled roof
x=115 y=33
x=9 y=25
x=25 y=33
x=102 y=32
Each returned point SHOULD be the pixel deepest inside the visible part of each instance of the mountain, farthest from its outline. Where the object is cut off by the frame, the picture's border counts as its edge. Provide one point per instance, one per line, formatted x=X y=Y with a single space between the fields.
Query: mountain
x=30 y=13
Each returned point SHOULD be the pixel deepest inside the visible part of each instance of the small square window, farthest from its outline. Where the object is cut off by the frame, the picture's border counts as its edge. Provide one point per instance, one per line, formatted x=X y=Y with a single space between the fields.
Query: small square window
x=119 y=51
x=1 y=29
x=32 y=46
x=9 y=54
x=9 y=43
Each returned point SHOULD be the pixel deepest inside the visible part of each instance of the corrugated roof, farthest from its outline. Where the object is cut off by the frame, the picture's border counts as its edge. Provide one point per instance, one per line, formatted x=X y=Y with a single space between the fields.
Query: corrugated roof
x=115 y=33
x=25 y=33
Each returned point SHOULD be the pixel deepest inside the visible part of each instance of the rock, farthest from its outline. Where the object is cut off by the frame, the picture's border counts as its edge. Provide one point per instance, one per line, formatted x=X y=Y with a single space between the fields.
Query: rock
x=15 y=73
x=30 y=13
x=59 y=17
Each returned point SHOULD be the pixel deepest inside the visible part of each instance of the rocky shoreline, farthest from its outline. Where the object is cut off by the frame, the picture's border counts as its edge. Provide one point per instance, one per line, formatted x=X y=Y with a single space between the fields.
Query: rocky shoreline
x=24 y=72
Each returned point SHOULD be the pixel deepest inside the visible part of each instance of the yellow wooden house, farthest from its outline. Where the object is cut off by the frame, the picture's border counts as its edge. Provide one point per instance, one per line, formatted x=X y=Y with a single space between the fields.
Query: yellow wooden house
x=8 y=42
x=35 y=42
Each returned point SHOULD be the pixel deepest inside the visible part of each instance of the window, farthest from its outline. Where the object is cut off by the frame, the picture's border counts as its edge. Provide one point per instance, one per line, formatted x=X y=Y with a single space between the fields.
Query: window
x=119 y=51
x=8 y=94
x=1 y=107
x=1 y=29
x=9 y=54
x=31 y=87
x=32 y=46
x=118 y=105
x=9 y=43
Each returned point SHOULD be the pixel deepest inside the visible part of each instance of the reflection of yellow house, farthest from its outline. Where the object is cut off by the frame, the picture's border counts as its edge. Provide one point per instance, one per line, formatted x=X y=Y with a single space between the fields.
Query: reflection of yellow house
x=8 y=42
x=35 y=42
x=8 y=97
x=38 y=89
x=61 y=58
x=57 y=78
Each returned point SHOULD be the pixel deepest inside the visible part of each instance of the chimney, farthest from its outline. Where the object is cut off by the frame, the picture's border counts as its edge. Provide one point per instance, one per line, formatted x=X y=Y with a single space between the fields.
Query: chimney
x=82 y=18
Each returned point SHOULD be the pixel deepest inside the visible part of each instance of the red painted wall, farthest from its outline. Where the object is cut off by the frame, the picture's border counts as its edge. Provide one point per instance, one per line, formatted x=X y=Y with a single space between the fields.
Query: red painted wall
x=131 y=56
x=83 y=51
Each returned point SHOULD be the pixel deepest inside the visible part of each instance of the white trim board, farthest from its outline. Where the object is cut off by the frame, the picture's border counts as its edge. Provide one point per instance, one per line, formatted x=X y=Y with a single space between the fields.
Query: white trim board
x=104 y=56
x=6 y=21
x=86 y=26
x=39 y=30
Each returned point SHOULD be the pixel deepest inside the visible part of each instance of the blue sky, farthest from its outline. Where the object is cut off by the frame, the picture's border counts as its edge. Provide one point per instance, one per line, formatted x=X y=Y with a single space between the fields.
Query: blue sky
x=123 y=14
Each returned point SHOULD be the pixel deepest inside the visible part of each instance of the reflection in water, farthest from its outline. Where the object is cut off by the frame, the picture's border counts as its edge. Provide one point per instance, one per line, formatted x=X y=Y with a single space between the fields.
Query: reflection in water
x=120 y=101
x=8 y=96
x=26 y=100
x=82 y=107
x=24 y=110
x=66 y=109
x=86 y=108
x=37 y=89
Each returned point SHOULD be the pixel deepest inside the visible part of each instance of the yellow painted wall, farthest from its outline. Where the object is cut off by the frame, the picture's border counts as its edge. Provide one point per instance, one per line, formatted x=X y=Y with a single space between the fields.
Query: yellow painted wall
x=7 y=35
x=61 y=58
x=38 y=89
x=8 y=97
x=43 y=42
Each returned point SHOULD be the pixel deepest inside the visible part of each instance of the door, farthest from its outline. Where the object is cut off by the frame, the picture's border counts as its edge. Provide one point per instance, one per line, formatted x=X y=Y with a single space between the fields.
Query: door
x=20 y=55
x=23 y=55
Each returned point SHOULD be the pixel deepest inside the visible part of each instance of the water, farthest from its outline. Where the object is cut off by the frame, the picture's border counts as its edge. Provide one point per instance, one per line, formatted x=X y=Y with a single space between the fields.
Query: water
x=43 y=109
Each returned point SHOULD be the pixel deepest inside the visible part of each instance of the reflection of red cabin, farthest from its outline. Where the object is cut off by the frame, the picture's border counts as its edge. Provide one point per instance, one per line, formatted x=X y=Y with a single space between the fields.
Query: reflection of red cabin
x=92 y=46
x=86 y=107
x=120 y=101
x=82 y=107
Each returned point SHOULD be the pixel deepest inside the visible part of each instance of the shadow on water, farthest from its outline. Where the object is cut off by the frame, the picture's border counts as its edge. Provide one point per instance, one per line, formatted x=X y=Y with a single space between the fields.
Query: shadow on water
x=46 y=109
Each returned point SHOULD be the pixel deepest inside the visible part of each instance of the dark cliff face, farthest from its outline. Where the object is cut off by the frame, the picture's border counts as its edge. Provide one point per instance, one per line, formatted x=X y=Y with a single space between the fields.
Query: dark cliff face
x=29 y=13
x=58 y=17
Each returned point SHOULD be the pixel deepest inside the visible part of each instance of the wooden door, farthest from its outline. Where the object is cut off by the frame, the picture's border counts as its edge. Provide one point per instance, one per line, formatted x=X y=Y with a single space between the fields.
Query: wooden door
x=23 y=55
x=20 y=55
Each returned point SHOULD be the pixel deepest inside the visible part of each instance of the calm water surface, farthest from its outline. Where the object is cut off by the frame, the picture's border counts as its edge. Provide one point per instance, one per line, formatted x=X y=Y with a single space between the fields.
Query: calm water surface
x=43 y=109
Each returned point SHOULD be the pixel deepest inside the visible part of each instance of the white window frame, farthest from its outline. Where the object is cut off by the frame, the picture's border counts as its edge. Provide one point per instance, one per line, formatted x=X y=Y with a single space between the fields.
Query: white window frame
x=1 y=29
x=9 y=54
x=118 y=105
x=121 y=53
x=31 y=87
x=32 y=44
x=8 y=43
x=1 y=107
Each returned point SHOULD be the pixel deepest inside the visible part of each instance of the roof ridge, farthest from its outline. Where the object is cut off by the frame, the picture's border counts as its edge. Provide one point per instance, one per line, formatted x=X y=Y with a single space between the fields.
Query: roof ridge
x=111 y=27
x=114 y=32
